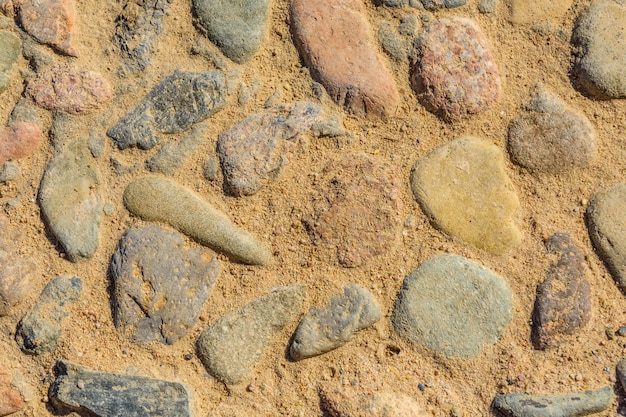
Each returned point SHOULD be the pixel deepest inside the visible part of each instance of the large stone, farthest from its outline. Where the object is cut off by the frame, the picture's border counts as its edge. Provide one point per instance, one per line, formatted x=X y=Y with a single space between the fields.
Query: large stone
x=51 y=22
x=10 y=399
x=348 y=402
x=10 y=46
x=19 y=140
x=570 y=405
x=463 y=188
x=453 y=306
x=536 y=11
x=337 y=44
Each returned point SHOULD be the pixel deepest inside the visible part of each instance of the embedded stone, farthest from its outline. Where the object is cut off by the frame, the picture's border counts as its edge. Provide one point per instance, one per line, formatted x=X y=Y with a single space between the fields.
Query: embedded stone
x=10 y=46
x=10 y=399
x=348 y=402
x=52 y=22
x=19 y=140
x=575 y=405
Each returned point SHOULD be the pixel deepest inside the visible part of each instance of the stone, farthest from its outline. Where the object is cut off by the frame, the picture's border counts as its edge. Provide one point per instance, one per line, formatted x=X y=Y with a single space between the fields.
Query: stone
x=102 y=394
x=526 y=12
x=172 y=106
x=348 y=402
x=10 y=399
x=70 y=198
x=15 y=271
x=356 y=209
x=455 y=75
x=10 y=47
x=392 y=43
x=346 y=62
x=442 y=4
x=253 y=152
x=163 y=200
x=563 y=303
x=9 y=171
x=569 y=405
x=324 y=329
x=232 y=346
x=487 y=6
x=70 y=89
x=238 y=28
x=19 y=140
x=620 y=370
x=25 y=111
x=453 y=306
x=463 y=189
x=173 y=156
x=40 y=330
x=159 y=286
x=51 y=22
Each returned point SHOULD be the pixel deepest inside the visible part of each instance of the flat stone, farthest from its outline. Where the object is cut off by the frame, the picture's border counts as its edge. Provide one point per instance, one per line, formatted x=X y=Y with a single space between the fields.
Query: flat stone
x=601 y=36
x=453 y=305
x=172 y=106
x=253 y=152
x=455 y=75
x=15 y=271
x=442 y=4
x=324 y=329
x=173 y=156
x=40 y=330
x=620 y=370
x=159 y=285
x=463 y=188
x=346 y=62
x=19 y=140
x=569 y=405
x=357 y=209
x=10 y=399
x=70 y=89
x=524 y=12
x=348 y=402
x=10 y=48
x=70 y=198
x=238 y=28
x=163 y=200
x=233 y=345
x=52 y=22
x=563 y=303
x=77 y=388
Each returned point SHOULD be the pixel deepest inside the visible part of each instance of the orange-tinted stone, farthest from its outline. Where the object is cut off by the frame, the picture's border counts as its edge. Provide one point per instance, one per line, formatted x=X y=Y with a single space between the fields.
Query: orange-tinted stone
x=18 y=140
x=51 y=22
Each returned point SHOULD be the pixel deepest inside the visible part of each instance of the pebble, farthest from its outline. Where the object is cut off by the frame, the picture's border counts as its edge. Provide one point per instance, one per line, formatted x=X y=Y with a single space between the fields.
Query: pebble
x=602 y=69
x=569 y=405
x=172 y=106
x=19 y=140
x=464 y=190
x=392 y=43
x=160 y=199
x=346 y=62
x=70 y=197
x=9 y=172
x=51 y=22
x=525 y=12
x=159 y=285
x=253 y=152
x=174 y=155
x=441 y=4
x=324 y=329
x=453 y=305
x=70 y=89
x=237 y=28
x=563 y=303
x=232 y=346
x=15 y=271
x=10 y=399
x=356 y=209
x=101 y=394
x=487 y=6
x=620 y=370
x=10 y=47
x=95 y=143
x=348 y=402
x=40 y=330
x=455 y=75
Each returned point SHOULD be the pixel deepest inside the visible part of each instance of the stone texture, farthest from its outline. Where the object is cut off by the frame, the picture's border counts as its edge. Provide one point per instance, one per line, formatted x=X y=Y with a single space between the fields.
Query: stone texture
x=348 y=402
x=159 y=199
x=453 y=306
x=455 y=75
x=569 y=405
x=357 y=209
x=103 y=394
x=463 y=188
x=9 y=171
x=19 y=140
x=620 y=370
x=173 y=156
x=442 y=4
x=10 y=46
x=563 y=303
x=254 y=151
x=40 y=330
x=51 y=22
x=15 y=271
x=10 y=399
x=336 y=42
x=532 y=12
x=172 y=106
x=324 y=329
x=233 y=345
x=159 y=285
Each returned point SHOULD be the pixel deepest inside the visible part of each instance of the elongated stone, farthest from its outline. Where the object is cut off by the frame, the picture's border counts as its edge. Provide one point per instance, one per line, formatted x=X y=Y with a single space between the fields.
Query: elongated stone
x=10 y=46
x=51 y=22
x=569 y=405
x=10 y=398
x=15 y=271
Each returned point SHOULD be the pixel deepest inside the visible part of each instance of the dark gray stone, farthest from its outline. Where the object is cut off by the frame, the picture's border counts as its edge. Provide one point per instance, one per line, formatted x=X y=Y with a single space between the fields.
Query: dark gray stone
x=172 y=156
x=569 y=405
x=159 y=286
x=442 y=4
x=110 y=395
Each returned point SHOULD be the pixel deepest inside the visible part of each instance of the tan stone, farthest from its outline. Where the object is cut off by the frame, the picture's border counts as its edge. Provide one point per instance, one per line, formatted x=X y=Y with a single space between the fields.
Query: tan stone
x=348 y=402
x=10 y=399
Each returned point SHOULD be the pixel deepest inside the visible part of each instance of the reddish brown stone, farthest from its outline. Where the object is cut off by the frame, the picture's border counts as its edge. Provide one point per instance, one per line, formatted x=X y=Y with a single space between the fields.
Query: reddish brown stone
x=10 y=399
x=336 y=42
x=50 y=22
x=18 y=140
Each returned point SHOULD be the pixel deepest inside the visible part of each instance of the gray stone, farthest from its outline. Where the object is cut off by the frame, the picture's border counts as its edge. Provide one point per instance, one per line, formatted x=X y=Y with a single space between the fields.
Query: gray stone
x=160 y=199
x=172 y=106
x=408 y=25
x=620 y=370
x=211 y=169
x=453 y=306
x=569 y=405
x=95 y=143
x=101 y=394
x=10 y=46
x=392 y=3
x=9 y=171
x=238 y=27
x=40 y=330
x=159 y=286
x=15 y=271
x=172 y=156
x=391 y=42
x=25 y=111
x=233 y=345
x=325 y=329
x=441 y=4
x=487 y=6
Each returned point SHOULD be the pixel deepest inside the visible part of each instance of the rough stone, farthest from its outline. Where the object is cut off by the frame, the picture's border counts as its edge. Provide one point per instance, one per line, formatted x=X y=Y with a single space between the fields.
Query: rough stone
x=463 y=188
x=159 y=199
x=620 y=370
x=455 y=75
x=19 y=140
x=442 y=4
x=173 y=156
x=525 y=12
x=51 y=22
x=103 y=394
x=453 y=306
x=569 y=405
x=159 y=286
x=9 y=171
x=254 y=151
x=348 y=402
x=487 y=6
x=10 y=46
x=172 y=106
x=233 y=345
x=40 y=330
x=14 y=271
x=346 y=62
x=325 y=329
x=10 y=399
x=392 y=43
x=25 y=111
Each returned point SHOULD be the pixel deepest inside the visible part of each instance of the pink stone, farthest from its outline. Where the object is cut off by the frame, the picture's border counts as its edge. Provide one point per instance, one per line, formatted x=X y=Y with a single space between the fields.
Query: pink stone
x=18 y=140
x=50 y=22
x=10 y=399
x=336 y=42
